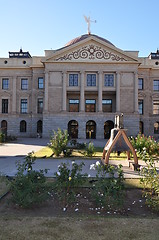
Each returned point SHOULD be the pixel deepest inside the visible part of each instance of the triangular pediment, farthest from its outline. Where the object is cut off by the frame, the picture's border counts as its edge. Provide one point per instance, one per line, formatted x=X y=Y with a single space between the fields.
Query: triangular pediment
x=90 y=50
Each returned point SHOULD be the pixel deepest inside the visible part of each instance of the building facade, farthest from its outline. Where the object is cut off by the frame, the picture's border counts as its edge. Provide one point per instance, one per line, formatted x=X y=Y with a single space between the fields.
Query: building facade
x=80 y=87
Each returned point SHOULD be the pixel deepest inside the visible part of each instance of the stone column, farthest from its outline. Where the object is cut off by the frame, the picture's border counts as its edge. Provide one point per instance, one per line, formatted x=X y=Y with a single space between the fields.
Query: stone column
x=100 y=95
x=64 y=91
x=118 y=92
x=82 y=93
x=14 y=83
x=46 y=103
x=135 y=92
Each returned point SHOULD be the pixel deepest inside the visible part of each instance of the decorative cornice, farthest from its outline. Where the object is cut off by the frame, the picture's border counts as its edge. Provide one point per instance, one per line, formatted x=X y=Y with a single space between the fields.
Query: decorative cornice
x=91 y=52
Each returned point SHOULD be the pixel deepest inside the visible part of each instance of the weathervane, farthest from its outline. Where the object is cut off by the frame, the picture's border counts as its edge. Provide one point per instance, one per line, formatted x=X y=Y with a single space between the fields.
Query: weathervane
x=88 y=21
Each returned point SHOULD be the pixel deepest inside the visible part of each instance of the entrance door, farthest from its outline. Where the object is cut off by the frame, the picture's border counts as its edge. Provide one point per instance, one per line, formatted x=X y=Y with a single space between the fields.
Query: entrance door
x=4 y=127
x=73 y=129
x=39 y=128
x=108 y=125
x=90 y=130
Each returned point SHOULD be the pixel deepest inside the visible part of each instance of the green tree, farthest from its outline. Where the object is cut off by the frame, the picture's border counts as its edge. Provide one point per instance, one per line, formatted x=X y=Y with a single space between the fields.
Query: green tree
x=58 y=142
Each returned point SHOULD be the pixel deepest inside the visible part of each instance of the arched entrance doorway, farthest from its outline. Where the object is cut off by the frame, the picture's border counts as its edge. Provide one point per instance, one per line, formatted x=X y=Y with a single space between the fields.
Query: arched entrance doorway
x=108 y=125
x=4 y=127
x=91 y=129
x=73 y=129
x=39 y=128
x=141 y=127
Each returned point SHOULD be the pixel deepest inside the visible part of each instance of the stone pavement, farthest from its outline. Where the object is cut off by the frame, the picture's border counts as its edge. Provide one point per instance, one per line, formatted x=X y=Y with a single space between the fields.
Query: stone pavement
x=10 y=153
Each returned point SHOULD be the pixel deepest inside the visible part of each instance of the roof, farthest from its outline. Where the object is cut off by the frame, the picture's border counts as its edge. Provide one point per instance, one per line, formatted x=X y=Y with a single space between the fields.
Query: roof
x=82 y=37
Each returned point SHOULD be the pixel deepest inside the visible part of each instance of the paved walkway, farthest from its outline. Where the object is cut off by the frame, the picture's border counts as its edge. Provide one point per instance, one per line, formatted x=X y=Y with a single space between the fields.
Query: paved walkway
x=10 y=153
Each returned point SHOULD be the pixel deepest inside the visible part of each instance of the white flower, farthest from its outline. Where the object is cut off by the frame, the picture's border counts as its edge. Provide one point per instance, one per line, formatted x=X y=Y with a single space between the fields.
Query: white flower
x=58 y=173
x=73 y=162
x=97 y=163
x=64 y=209
x=116 y=175
x=92 y=167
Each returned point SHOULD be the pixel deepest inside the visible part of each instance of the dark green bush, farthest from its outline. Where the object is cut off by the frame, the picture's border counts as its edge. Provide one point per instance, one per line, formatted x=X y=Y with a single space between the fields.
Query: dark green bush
x=68 y=178
x=107 y=191
x=29 y=186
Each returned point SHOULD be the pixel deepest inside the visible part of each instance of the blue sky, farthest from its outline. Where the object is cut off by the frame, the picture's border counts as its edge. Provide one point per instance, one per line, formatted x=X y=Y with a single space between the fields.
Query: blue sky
x=37 y=25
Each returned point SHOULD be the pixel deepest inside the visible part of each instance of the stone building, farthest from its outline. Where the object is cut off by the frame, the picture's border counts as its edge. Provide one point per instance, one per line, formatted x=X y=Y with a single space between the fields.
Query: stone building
x=80 y=87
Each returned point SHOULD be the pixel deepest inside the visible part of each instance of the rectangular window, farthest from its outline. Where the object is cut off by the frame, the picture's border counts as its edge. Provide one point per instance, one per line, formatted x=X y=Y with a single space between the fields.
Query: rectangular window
x=5 y=83
x=107 y=105
x=40 y=83
x=141 y=106
x=24 y=106
x=4 y=105
x=73 y=80
x=73 y=105
x=90 y=105
x=109 y=80
x=91 y=80
x=24 y=84
x=140 y=83
x=155 y=107
x=156 y=85
x=40 y=105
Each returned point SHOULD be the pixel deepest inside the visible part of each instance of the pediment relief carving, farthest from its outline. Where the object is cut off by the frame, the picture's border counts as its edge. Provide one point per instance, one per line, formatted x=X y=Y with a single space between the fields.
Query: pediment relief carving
x=91 y=52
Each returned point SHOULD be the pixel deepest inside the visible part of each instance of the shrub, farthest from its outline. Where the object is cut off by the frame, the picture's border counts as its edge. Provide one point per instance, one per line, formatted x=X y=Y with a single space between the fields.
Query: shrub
x=2 y=137
x=58 y=141
x=67 y=152
x=107 y=191
x=67 y=179
x=29 y=186
x=90 y=150
x=144 y=144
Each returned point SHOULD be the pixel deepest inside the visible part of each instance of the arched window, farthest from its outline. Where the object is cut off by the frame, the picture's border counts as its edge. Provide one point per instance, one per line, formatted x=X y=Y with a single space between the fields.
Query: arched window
x=39 y=127
x=156 y=128
x=91 y=129
x=108 y=126
x=141 y=127
x=23 y=126
x=73 y=129
x=4 y=127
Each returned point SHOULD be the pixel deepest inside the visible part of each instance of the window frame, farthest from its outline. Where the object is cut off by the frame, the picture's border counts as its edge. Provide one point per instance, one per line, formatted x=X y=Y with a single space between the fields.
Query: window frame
x=141 y=102
x=40 y=84
x=157 y=108
x=24 y=106
x=140 y=84
x=88 y=105
x=106 y=102
x=24 y=84
x=5 y=86
x=74 y=79
x=107 y=82
x=91 y=82
x=156 y=85
x=75 y=104
x=40 y=105
x=5 y=105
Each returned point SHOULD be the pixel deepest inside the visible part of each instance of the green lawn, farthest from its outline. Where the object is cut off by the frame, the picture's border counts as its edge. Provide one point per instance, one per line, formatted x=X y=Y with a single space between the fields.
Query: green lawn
x=77 y=228
x=47 y=153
